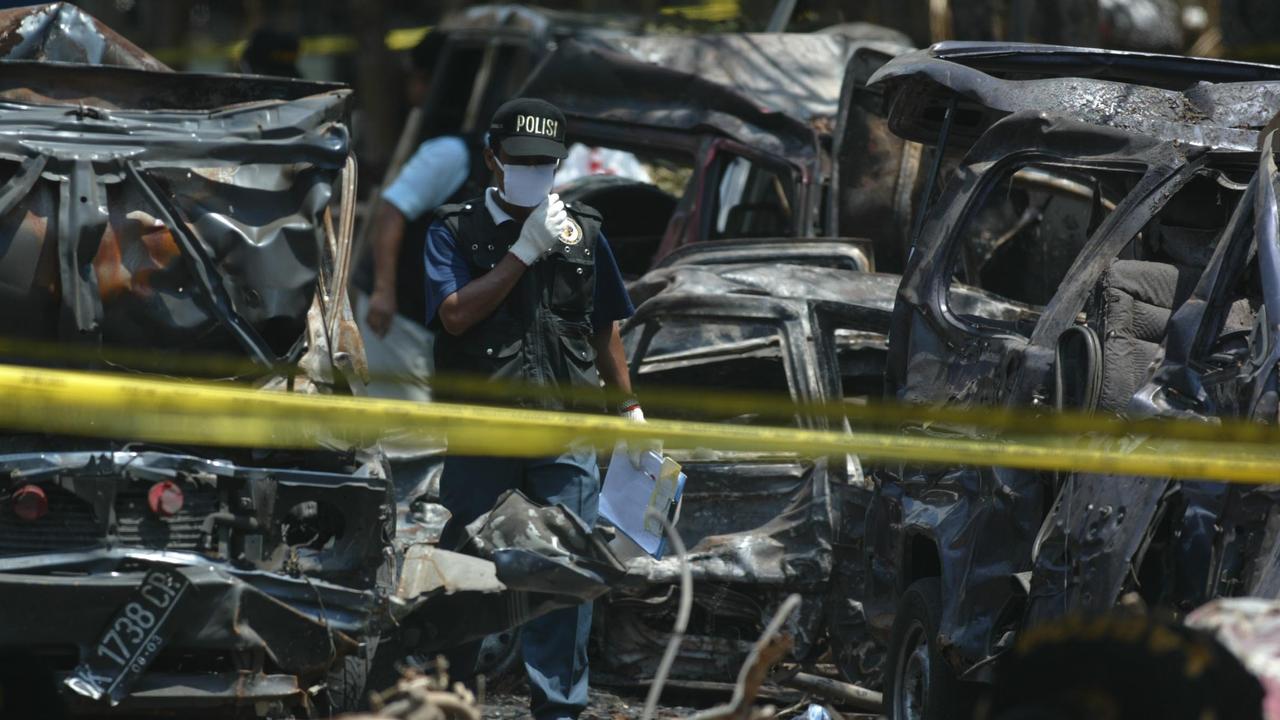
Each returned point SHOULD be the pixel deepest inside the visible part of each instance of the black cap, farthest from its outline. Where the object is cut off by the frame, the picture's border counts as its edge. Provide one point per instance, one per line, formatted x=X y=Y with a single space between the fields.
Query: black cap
x=529 y=126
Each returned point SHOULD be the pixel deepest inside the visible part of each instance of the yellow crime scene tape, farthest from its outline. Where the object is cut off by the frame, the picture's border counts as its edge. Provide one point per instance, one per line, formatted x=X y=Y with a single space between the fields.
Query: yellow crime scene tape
x=761 y=408
x=163 y=411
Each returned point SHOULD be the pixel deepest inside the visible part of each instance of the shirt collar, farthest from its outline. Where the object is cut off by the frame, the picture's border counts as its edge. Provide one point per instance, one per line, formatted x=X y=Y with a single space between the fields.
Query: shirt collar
x=495 y=210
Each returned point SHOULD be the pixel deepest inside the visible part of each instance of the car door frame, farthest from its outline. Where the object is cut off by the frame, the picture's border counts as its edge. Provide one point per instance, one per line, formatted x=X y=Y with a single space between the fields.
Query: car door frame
x=953 y=512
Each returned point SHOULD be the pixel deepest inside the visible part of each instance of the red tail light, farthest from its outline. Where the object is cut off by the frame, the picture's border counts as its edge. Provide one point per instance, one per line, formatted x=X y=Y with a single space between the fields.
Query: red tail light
x=165 y=498
x=30 y=503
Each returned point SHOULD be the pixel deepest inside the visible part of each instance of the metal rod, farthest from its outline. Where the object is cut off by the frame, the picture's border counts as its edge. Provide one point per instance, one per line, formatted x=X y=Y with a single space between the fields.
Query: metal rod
x=838 y=691
x=682 y=617
x=781 y=16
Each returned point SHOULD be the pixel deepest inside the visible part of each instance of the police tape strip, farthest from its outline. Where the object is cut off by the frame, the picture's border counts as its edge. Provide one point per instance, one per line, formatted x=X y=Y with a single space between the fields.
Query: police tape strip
x=765 y=408
x=130 y=408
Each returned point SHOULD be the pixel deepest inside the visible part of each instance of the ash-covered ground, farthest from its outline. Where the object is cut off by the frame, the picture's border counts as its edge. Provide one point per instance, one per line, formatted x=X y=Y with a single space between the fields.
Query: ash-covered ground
x=605 y=705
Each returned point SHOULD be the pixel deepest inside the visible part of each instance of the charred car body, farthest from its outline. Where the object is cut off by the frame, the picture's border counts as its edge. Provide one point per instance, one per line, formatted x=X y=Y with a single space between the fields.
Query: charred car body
x=199 y=226
x=150 y=212
x=805 y=323
x=749 y=136
x=1116 y=210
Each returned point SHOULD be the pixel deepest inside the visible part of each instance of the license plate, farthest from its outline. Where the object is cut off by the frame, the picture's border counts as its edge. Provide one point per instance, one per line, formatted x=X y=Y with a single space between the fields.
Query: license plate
x=132 y=639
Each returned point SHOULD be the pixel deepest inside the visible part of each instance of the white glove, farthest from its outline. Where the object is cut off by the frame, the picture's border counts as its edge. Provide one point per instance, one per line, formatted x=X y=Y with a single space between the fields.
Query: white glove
x=637 y=448
x=541 y=230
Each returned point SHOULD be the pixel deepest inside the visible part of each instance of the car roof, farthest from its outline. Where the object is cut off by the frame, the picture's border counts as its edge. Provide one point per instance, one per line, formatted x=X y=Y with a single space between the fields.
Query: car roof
x=768 y=90
x=1221 y=105
x=1174 y=72
x=689 y=289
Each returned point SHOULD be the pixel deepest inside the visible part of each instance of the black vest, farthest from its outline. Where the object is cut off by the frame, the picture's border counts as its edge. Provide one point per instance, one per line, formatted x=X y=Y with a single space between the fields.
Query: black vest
x=541 y=333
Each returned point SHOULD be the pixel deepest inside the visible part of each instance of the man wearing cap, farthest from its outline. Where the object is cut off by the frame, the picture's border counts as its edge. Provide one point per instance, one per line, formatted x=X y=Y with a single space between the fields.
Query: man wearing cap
x=523 y=287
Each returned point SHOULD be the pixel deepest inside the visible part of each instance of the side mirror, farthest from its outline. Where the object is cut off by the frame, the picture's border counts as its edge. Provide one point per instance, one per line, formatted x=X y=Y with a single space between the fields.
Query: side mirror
x=1077 y=370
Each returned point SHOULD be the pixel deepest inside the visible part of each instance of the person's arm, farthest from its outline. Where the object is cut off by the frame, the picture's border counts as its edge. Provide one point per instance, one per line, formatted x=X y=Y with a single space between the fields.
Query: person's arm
x=611 y=361
x=478 y=299
x=436 y=171
x=387 y=237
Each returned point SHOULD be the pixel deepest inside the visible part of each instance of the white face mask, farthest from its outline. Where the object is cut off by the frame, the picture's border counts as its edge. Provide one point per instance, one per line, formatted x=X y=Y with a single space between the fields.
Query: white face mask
x=526 y=185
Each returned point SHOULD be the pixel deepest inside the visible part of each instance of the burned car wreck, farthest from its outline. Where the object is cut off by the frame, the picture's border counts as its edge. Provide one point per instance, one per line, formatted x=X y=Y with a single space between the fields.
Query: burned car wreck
x=1127 y=235
x=153 y=216
x=767 y=137
x=806 y=324
x=199 y=227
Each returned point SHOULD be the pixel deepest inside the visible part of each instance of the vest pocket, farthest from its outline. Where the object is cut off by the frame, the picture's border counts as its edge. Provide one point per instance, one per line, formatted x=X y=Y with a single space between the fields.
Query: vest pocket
x=580 y=371
x=493 y=351
x=572 y=285
x=579 y=349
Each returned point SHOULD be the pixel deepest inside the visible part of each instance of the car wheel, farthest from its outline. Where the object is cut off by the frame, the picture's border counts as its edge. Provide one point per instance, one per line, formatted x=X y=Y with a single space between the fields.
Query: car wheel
x=499 y=655
x=919 y=684
x=345 y=687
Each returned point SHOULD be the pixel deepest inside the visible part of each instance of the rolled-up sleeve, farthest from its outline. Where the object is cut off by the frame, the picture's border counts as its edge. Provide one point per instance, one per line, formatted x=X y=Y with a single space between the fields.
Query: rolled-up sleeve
x=611 y=299
x=446 y=270
x=434 y=173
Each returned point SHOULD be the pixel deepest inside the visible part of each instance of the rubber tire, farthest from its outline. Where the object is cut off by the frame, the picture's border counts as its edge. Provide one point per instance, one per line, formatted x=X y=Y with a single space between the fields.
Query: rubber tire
x=921 y=606
x=506 y=663
x=346 y=687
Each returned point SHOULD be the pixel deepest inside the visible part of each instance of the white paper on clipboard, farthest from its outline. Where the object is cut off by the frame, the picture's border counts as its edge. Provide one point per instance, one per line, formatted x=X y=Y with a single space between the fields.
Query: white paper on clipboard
x=628 y=493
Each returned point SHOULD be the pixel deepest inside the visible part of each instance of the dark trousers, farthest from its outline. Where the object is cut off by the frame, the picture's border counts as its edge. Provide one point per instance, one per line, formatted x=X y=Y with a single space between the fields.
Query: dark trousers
x=554 y=645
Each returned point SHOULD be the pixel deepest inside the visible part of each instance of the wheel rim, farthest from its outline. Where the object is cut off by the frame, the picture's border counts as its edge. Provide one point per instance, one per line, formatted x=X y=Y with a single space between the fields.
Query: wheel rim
x=912 y=675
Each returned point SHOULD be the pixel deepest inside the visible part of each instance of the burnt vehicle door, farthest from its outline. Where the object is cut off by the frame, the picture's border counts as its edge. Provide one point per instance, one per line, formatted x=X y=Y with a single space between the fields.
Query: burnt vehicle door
x=691 y=343
x=758 y=526
x=1178 y=544
x=875 y=174
x=1035 y=192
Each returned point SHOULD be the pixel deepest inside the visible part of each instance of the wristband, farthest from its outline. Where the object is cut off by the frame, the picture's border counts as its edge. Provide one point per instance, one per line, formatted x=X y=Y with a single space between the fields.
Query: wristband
x=628 y=405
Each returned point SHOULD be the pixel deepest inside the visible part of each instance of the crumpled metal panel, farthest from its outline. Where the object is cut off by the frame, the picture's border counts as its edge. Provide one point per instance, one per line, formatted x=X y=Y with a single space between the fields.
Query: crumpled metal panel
x=542 y=549
x=167 y=229
x=62 y=32
x=524 y=561
x=1092 y=535
x=605 y=81
x=797 y=74
x=155 y=209
x=793 y=550
x=427 y=570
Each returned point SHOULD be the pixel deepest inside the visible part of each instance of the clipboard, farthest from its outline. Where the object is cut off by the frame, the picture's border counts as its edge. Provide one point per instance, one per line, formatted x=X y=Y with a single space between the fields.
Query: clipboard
x=628 y=493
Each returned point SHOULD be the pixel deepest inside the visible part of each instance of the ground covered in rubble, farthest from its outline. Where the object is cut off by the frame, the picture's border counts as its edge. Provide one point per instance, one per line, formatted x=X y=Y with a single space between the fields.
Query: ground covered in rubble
x=617 y=704
x=605 y=705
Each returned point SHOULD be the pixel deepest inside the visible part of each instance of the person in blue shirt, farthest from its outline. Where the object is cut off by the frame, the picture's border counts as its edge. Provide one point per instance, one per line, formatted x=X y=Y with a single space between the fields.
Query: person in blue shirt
x=523 y=287
x=435 y=172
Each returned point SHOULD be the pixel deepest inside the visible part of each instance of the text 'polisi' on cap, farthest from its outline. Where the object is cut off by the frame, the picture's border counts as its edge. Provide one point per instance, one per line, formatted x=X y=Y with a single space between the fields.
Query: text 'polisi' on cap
x=535 y=125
